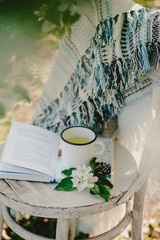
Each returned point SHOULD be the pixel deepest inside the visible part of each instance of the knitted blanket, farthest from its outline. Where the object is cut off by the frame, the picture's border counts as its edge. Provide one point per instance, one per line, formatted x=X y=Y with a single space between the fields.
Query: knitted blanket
x=113 y=65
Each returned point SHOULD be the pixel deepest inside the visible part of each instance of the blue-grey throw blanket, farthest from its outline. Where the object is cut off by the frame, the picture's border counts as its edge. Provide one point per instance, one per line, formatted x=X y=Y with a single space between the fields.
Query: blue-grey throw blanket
x=95 y=91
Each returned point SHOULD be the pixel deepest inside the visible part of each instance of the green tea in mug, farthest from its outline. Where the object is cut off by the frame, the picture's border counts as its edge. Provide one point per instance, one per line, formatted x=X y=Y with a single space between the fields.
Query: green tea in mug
x=78 y=140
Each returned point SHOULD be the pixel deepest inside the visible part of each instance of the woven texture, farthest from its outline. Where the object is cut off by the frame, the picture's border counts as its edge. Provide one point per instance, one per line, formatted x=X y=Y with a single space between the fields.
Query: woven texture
x=99 y=68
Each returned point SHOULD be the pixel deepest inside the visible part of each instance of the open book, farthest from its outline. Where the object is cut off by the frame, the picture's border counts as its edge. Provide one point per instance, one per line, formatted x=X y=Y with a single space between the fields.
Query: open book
x=31 y=153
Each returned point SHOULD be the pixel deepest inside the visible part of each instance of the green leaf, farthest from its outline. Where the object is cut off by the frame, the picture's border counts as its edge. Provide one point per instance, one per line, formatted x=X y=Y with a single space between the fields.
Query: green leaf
x=95 y=190
x=75 y=18
x=104 y=193
x=93 y=164
x=53 y=15
x=68 y=19
x=104 y=181
x=74 y=9
x=100 y=190
x=65 y=184
x=68 y=29
x=63 y=6
x=68 y=172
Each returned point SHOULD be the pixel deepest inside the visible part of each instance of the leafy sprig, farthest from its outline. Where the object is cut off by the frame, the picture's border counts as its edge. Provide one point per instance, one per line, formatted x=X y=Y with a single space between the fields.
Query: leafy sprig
x=61 y=13
x=90 y=177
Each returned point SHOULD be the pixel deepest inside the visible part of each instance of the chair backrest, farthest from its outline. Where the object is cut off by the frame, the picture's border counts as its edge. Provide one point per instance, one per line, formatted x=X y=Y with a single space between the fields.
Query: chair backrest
x=149 y=158
x=134 y=122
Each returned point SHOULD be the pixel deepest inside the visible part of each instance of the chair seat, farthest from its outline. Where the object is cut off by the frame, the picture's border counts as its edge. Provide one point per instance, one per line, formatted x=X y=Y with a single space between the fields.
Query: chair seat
x=40 y=199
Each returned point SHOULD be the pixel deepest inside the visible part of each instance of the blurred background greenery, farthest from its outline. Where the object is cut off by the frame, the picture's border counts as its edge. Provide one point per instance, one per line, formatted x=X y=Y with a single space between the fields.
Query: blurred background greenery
x=30 y=34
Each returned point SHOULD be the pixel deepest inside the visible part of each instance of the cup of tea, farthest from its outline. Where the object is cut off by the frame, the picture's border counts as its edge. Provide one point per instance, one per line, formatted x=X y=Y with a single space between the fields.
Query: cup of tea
x=78 y=146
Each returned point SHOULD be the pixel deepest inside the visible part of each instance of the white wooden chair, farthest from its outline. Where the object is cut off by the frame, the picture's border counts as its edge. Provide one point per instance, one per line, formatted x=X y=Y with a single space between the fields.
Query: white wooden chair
x=39 y=199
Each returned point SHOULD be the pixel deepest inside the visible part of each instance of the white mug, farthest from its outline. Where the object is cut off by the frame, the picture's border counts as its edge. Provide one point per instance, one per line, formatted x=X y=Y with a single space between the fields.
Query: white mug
x=78 y=146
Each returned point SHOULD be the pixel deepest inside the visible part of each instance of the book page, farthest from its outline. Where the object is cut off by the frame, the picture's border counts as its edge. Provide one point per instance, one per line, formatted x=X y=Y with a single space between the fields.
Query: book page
x=32 y=147
x=9 y=168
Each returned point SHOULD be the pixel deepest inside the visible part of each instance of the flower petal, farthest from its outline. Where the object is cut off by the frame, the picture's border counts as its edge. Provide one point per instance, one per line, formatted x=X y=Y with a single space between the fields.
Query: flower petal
x=95 y=179
x=81 y=186
x=88 y=169
x=83 y=167
x=74 y=173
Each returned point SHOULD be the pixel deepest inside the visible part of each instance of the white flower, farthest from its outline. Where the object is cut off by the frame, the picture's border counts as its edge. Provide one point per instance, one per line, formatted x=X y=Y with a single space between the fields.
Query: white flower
x=91 y=180
x=79 y=182
x=74 y=174
x=84 y=169
x=81 y=171
x=81 y=186
x=82 y=177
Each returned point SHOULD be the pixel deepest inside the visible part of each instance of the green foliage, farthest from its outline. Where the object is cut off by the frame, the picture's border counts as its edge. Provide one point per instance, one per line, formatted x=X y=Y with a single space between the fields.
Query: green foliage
x=53 y=14
x=145 y=3
x=104 y=181
x=60 y=13
x=101 y=190
x=65 y=184
x=104 y=193
x=22 y=23
x=82 y=235
x=68 y=20
x=95 y=190
x=101 y=187
x=42 y=226
x=93 y=164
x=68 y=172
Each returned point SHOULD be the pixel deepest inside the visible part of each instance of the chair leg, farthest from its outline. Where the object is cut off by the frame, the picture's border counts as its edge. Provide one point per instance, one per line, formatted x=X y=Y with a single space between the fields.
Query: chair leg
x=72 y=228
x=138 y=207
x=62 y=229
x=1 y=221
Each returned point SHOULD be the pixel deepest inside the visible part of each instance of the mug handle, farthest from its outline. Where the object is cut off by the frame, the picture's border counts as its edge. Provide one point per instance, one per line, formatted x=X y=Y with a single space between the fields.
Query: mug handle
x=102 y=147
